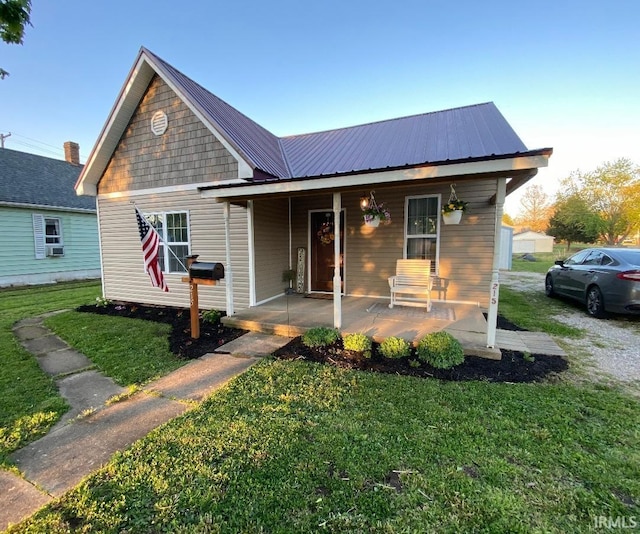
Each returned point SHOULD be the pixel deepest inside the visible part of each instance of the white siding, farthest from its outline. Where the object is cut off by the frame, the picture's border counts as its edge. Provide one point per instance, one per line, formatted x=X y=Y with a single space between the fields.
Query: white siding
x=124 y=276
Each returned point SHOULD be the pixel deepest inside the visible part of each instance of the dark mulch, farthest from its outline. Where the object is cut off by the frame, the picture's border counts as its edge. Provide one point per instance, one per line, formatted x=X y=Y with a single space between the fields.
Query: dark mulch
x=513 y=367
x=212 y=336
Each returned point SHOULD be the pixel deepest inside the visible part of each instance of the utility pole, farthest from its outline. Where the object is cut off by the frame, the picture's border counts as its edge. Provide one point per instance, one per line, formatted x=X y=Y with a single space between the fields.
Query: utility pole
x=2 y=138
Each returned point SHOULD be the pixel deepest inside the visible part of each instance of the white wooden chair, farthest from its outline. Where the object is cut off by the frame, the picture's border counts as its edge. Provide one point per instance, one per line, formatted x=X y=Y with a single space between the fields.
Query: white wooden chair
x=412 y=284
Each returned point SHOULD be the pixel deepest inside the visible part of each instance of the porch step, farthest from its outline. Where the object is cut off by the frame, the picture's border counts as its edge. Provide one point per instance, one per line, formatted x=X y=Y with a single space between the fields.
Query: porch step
x=276 y=329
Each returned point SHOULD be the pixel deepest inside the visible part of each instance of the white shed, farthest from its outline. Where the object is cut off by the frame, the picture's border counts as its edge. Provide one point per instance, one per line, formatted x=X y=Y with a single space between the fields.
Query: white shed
x=530 y=242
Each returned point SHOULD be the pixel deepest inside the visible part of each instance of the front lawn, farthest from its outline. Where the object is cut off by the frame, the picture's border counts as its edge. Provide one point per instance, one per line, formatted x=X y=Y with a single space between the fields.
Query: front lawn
x=301 y=447
x=30 y=403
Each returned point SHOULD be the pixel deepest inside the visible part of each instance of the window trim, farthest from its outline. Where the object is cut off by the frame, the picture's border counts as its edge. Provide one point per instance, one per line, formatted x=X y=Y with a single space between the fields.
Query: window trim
x=164 y=242
x=58 y=236
x=438 y=196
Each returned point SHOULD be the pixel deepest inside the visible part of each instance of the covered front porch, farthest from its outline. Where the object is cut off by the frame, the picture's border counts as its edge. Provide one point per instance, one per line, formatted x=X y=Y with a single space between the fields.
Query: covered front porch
x=292 y=315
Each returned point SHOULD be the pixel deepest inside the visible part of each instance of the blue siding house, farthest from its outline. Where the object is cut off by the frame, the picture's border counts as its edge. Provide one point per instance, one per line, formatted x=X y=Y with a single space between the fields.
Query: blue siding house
x=50 y=234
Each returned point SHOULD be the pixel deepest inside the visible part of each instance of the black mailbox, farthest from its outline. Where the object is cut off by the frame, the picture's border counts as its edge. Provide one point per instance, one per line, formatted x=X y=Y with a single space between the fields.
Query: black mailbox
x=206 y=270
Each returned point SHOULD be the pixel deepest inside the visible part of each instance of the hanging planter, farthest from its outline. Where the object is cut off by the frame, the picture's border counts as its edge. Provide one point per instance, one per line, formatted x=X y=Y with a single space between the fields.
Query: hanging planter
x=373 y=213
x=452 y=211
x=372 y=221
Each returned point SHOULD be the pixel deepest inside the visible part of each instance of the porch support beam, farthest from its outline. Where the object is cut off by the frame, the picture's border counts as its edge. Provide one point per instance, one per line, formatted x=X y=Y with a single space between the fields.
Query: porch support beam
x=494 y=292
x=337 y=280
x=228 y=271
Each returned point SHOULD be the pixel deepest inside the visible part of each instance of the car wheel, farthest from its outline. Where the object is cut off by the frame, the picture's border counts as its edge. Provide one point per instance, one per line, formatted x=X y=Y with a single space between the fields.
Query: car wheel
x=595 y=302
x=548 y=286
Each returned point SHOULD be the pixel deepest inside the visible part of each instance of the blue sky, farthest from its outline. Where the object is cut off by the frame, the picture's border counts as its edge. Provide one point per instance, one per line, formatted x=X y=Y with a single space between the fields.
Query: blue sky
x=565 y=74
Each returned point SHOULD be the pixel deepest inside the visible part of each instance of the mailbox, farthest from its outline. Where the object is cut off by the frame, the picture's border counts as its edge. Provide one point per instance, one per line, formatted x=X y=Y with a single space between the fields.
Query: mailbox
x=206 y=270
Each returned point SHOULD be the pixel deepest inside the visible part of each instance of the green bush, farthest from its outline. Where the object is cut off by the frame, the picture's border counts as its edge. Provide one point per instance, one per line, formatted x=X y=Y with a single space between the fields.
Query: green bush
x=320 y=336
x=357 y=343
x=440 y=350
x=211 y=316
x=395 y=347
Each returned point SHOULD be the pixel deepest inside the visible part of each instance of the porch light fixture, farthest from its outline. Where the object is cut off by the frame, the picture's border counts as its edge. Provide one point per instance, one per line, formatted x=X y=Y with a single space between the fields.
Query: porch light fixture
x=364 y=201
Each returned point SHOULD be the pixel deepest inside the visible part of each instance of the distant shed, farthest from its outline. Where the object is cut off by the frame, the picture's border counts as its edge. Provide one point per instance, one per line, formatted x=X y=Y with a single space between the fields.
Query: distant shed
x=530 y=242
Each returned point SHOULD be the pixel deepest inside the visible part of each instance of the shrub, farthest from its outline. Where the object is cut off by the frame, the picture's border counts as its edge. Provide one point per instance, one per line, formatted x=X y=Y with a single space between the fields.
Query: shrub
x=440 y=350
x=211 y=316
x=357 y=343
x=395 y=347
x=320 y=336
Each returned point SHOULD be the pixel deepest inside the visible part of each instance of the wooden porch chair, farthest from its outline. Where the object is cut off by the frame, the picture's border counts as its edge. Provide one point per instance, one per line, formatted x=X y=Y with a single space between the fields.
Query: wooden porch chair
x=412 y=284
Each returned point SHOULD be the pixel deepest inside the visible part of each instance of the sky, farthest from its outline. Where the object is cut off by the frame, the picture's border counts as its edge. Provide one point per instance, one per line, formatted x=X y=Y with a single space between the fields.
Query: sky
x=564 y=73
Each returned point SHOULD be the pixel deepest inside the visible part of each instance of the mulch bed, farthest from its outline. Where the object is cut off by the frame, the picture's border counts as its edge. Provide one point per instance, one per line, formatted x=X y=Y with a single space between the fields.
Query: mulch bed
x=513 y=367
x=212 y=336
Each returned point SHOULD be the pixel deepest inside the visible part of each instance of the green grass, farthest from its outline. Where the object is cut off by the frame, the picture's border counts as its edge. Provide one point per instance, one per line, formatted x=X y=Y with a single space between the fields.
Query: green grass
x=29 y=403
x=131 y=351
x=523 y=309
x=298 y=447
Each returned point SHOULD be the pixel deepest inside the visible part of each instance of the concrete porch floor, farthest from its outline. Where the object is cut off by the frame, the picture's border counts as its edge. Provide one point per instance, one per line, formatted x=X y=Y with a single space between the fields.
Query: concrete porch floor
x=292 y=315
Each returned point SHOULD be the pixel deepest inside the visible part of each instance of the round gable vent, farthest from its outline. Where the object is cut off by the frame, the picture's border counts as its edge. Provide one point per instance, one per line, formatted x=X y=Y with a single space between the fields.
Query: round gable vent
x=159 y=122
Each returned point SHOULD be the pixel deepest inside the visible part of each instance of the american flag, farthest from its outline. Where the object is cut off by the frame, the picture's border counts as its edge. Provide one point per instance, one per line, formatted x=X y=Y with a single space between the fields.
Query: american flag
x=150 y=243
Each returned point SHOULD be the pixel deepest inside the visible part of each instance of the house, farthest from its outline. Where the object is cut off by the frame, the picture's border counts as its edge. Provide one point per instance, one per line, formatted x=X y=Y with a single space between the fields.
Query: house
x=50 y=234
x=217 y=184
x=530 y=242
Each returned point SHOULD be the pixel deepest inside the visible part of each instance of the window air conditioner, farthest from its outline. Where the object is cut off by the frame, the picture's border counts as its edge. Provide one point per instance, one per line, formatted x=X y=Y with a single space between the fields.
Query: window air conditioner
x=55 y=251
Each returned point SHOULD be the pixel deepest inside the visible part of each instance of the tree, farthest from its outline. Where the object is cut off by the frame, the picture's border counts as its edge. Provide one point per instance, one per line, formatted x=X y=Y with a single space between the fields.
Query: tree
x=535 y=209
x=14 y=17
x=507 y=219
x=575 y=221
x=613 y=191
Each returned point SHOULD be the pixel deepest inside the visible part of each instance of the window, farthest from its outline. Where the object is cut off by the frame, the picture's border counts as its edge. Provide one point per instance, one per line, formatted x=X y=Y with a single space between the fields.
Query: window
x=173 y=228
x=578 y=258
x=421 y=233
x=53 y=235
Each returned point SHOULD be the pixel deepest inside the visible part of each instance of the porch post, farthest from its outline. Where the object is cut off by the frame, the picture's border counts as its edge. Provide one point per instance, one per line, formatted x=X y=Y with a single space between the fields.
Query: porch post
x=337 y=281
x=494 y=292
x=228 y=272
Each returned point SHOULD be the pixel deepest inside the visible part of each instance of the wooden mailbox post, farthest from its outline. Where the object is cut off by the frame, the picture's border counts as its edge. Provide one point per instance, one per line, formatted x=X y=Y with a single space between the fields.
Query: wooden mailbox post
x=193 y=282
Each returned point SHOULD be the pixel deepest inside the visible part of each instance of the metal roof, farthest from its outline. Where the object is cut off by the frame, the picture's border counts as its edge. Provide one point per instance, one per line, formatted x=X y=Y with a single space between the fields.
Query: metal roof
x=476 y=131
x=37 y=180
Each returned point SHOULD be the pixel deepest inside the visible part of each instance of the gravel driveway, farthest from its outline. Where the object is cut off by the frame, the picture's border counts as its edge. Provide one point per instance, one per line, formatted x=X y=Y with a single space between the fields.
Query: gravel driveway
x=611 y=346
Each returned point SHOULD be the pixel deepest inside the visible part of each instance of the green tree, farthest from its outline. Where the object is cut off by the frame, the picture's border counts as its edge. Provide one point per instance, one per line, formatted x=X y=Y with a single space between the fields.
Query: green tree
x=613 y=192
x=575 y=221
x=14 y=17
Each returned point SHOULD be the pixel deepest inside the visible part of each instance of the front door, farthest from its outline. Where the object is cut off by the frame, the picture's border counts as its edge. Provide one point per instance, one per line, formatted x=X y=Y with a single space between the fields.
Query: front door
x=321 y=225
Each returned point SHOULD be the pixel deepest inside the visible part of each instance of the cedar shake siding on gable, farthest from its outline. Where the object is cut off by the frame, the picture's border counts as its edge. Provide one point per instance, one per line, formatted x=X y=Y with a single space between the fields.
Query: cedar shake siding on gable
x=123 y=273
x=187 y=153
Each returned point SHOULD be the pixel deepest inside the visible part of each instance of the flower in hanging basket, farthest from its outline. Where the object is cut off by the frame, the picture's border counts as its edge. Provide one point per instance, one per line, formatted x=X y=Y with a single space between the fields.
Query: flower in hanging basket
x=454 y=205
x=377 y=210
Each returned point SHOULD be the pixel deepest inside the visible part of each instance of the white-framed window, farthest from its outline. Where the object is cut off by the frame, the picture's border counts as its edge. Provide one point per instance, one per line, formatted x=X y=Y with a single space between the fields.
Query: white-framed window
x=173 y=228
x=422 y=229
x=47 y=232
x=52 y=231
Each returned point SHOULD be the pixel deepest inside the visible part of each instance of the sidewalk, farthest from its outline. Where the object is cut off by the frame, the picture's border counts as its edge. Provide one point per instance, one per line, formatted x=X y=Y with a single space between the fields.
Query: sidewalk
x=91 y=432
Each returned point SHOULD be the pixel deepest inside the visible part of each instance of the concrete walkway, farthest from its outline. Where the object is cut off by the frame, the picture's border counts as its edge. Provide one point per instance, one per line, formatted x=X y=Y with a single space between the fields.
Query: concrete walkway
x=92 y=431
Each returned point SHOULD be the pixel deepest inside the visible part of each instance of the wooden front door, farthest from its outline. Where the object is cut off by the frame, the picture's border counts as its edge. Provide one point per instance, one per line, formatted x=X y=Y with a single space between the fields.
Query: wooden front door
x=322 y=253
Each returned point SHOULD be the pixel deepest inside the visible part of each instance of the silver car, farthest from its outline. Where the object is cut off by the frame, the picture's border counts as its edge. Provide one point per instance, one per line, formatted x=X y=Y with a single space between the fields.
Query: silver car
x=605 y=279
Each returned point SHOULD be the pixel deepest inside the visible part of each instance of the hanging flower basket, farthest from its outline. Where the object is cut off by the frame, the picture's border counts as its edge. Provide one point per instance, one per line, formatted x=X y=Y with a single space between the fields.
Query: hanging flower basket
x=372 y=220
x=373 y=213
x=452 y=211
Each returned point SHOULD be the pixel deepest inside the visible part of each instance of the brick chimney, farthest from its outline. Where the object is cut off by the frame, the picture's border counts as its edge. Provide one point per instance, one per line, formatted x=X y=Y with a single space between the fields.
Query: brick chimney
x=72 y=152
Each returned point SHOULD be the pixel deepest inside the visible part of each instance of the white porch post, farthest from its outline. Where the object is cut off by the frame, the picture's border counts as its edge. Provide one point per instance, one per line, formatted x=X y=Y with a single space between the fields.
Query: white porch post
x=228 y=272
x=494 y=291
x=337 y=281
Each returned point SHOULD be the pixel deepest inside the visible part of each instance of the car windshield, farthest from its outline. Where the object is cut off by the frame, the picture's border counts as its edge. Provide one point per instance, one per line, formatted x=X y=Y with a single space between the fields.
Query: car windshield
x=629 y=256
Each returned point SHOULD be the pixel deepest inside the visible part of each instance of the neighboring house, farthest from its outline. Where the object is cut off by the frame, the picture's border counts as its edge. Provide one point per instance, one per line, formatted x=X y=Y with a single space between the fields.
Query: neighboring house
x=217 y=184
x=50 y=234
x=530 y=242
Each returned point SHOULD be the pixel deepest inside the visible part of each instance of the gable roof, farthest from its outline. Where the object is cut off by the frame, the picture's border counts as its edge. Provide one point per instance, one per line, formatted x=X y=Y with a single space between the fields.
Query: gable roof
x=470 y=133
x=31 y=180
